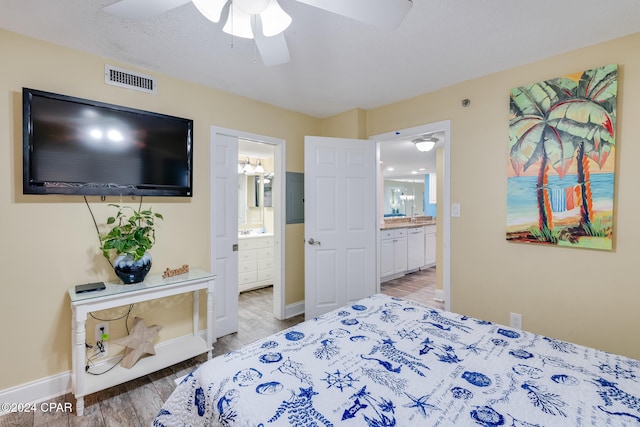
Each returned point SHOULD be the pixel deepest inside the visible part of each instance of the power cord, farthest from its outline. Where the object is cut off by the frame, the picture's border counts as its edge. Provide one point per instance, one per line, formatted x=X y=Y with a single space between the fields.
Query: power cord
x=100 y=345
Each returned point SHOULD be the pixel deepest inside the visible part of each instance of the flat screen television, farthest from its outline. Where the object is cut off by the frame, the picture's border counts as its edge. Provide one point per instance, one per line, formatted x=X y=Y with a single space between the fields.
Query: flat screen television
x=77 y=146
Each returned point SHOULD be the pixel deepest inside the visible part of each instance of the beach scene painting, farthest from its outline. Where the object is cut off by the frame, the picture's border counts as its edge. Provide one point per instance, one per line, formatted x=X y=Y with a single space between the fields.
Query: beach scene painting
x=561 y=165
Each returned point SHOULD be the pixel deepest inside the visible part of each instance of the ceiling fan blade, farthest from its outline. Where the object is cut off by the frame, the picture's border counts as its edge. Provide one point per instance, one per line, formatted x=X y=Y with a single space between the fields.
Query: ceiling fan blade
x=142 y=9
x=211 y=9
x=273 y=50
x=382 y=13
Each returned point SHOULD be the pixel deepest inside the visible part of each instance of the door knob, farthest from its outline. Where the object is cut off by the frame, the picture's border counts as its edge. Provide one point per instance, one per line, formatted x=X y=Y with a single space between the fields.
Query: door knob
x=314 y=242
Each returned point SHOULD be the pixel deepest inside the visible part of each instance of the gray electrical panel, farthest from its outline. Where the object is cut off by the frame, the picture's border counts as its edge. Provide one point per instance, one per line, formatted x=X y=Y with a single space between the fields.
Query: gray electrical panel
x=295 y=198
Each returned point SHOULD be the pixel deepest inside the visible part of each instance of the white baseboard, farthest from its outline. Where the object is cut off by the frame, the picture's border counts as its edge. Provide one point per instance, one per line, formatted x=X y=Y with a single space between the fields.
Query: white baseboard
x=439 y=296
x=38 y=391
x=294 y=309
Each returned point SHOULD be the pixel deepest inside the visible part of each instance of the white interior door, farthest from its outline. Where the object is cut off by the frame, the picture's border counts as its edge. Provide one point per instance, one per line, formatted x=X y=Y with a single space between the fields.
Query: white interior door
x=340 y=222
x=224 y=230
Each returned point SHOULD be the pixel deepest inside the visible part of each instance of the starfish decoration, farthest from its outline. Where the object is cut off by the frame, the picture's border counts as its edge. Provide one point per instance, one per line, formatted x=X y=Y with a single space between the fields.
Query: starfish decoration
x=420 y=403
x=138 y=342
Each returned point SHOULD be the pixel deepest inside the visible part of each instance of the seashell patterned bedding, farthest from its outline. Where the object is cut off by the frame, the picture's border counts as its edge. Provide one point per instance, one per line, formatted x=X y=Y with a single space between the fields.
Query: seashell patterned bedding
x=384 y=361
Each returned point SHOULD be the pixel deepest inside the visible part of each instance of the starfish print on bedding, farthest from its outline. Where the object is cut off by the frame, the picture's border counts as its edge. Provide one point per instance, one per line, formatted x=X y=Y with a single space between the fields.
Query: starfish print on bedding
x=420 y=403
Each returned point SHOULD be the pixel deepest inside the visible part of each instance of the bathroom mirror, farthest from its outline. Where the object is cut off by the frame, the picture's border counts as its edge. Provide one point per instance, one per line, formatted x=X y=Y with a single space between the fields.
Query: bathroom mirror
x=403 y=198
x=250 y=200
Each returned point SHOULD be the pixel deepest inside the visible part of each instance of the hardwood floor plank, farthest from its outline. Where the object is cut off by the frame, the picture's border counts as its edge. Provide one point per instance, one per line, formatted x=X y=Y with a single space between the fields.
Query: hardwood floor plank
x=51 y=413
x=117 y=408
x=419 y=286
x=145 y=399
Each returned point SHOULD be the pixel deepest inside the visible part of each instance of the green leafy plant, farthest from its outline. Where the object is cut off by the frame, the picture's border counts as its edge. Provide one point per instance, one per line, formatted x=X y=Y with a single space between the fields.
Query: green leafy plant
x=132 y=232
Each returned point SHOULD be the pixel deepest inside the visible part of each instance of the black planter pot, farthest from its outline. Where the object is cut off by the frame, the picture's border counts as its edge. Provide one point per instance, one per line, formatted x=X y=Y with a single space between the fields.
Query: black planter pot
x=130 y=271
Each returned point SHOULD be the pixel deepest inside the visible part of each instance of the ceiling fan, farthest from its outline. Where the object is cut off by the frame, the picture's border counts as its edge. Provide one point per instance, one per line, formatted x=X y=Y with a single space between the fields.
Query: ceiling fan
x=264 y=20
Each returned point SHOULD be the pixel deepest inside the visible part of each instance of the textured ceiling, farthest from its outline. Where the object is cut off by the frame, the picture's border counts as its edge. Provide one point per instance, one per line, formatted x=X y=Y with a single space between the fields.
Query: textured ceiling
x=336 y=63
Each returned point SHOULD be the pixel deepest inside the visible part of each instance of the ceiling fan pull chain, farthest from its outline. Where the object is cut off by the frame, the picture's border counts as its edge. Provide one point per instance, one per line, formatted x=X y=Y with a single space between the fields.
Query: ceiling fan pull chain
x=255 y=45
x=231 y=9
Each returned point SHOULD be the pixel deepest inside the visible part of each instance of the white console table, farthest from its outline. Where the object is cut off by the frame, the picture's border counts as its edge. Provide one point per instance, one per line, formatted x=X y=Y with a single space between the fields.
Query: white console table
x=167 y=353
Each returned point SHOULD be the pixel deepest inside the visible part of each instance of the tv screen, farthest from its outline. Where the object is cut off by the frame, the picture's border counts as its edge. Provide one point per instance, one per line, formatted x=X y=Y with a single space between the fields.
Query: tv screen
x=77 y=146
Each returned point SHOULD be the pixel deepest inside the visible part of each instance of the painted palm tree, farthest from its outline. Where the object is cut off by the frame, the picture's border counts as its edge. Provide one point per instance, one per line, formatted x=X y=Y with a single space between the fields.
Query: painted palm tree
x=553 y=120
x=533 y=140
x=587 y=118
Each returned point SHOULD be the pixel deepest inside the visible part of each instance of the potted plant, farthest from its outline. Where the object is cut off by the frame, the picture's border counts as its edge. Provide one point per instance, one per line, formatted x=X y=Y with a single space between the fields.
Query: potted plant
x=131 y=236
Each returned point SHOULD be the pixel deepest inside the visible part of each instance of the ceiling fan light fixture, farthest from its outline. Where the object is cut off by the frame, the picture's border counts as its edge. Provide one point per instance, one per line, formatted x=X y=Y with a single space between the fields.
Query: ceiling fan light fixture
x=252 y=7
x=210 y=9
x=239 y=23
x=274 y=19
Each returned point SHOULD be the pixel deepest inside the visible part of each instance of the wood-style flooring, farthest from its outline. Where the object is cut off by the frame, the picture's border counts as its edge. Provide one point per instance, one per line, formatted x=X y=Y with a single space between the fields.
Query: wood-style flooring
x=137 y=402
x=419 y=286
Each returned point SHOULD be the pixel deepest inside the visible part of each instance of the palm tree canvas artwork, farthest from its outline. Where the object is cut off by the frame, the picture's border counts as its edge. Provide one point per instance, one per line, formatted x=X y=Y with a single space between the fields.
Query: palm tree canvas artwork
x=562 y=160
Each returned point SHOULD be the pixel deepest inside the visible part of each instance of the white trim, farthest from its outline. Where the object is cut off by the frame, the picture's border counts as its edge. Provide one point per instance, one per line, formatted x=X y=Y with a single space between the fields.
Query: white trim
x=37 y=391
x=294 y=309
x=442 y=126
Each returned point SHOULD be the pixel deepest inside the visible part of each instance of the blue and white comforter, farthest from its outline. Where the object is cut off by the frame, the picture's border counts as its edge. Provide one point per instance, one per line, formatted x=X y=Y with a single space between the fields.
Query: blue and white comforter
x=389 y=362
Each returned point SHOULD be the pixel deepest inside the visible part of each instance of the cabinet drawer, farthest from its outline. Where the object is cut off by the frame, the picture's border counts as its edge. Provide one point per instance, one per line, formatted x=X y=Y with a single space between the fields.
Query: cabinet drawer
x=265 y=275
x=247 y=266
x=400 y=232
x=245 y=278
x=265 y=263
x=265 y=253
x=255 y=243
x=249 y=255
x=386 y=234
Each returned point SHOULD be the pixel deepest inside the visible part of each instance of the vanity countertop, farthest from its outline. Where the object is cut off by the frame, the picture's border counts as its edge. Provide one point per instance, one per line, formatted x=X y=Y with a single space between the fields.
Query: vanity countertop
x=407 y=224
x=254 y=235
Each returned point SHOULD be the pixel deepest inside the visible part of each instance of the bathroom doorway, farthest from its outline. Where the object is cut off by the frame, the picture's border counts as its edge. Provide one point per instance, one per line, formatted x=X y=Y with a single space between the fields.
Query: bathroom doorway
x=256 y=221
x=226 y=217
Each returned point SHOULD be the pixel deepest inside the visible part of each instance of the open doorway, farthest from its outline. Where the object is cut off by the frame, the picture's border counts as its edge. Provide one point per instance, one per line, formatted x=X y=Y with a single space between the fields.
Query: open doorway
x=239 y=222
x=256 y=227
x=417 y=172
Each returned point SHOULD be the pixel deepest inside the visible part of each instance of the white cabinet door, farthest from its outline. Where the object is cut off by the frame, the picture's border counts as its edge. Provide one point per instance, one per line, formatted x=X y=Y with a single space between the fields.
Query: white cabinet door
x=415 y=248
x=387 y=257
x=400 y=250
x=429 y=245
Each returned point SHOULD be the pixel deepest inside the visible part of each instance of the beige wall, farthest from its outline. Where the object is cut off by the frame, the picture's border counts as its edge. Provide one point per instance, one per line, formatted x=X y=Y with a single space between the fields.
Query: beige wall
x=586 y=296
x=50 y=244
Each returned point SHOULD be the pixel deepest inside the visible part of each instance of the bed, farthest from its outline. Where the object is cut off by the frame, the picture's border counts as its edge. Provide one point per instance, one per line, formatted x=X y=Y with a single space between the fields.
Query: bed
x=384 y=361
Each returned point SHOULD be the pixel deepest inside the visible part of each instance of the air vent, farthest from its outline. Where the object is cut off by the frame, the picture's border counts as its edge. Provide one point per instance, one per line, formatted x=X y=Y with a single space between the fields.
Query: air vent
x=129 y=79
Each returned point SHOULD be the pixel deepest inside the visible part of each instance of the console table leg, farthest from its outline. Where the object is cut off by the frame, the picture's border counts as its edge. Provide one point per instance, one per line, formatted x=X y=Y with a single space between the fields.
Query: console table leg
x=211 y=318
x=78 y=338
x=80 y=406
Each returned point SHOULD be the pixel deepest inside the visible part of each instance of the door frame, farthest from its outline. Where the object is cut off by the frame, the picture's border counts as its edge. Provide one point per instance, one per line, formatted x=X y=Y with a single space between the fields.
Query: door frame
x=279 y=195
x=441 y=126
